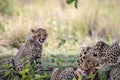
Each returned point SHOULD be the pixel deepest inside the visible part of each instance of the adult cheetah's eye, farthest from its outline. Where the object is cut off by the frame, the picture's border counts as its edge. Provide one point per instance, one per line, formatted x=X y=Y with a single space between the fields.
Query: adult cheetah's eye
x=38 y=35
x=84 y=57
x=77 y=60
x=84 y=52
x=94 y=55
x=80 y=55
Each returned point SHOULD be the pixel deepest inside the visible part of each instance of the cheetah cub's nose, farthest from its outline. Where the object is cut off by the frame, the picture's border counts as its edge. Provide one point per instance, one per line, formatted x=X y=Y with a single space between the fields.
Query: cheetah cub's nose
x=41 y=40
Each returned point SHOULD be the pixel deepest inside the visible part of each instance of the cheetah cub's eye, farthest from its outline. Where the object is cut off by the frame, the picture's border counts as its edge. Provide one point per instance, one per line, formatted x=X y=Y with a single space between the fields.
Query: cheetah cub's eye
x=32 y=30
x=45 y=35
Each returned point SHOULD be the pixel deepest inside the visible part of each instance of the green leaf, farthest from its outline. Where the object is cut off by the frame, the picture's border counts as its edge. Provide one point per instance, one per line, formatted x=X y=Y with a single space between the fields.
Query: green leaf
x=62 y=41
x=53 y=56
x=76 y=1
x=26 y=70
x=23 y=74
x=45 y=76
x=91 y=77
x=27 y=66
x=37 y=76
x=74 y=79
x=5 y=66
x=61 y=60
x=107 y=69
x=70 y=1
x=72 y=60
x=103 y=77
x=53 y=60
x=59 y=65
x=7 y=73
x=80 y=78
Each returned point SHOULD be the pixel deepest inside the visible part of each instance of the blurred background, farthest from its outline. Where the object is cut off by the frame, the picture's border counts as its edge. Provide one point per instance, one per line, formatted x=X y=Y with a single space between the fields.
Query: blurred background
x=68 y=28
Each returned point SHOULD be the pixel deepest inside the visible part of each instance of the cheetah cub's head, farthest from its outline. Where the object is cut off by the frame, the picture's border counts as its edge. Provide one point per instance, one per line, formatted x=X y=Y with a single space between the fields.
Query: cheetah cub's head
x=39 y=35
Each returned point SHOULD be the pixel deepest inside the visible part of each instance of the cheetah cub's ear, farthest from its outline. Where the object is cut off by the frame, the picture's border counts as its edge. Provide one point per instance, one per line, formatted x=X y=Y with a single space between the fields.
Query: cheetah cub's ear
x=33 y=31
x=118 y=41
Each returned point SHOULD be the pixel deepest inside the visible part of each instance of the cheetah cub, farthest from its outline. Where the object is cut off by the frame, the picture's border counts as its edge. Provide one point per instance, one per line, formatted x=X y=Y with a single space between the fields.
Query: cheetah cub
x=32 y=49
x=65 y=74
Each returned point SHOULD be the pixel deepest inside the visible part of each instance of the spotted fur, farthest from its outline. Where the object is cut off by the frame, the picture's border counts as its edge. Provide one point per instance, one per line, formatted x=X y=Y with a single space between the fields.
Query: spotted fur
x=65 y=74
x=107 y=54
x=32 y=49
x=87 y=53
x=114 y=73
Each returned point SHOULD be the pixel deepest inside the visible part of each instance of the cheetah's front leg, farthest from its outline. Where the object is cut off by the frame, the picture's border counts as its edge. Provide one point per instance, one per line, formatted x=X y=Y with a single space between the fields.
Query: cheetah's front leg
x=38 y=64
x=19 y=64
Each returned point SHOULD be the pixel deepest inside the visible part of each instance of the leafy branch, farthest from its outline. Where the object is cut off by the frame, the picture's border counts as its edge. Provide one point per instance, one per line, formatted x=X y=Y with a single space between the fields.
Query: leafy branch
x=71 y=1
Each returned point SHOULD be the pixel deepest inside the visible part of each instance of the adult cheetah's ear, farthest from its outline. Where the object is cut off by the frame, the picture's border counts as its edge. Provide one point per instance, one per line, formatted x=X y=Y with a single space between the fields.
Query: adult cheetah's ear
x=88 y=47
x=102 y=44
x=117 y=42
x=33 y=31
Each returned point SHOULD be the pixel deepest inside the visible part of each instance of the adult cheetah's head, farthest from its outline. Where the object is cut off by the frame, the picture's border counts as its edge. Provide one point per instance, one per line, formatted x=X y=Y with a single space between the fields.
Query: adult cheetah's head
x=87 y=52
x=100 y=45
x=83 y=54
x=39 y=35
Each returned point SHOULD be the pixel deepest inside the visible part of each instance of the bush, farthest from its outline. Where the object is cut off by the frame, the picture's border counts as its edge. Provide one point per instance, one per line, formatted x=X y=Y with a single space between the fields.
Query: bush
x=26 y=74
